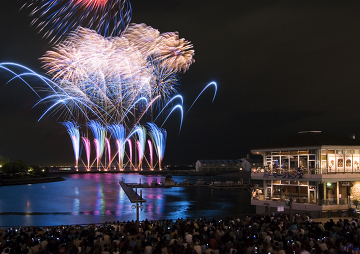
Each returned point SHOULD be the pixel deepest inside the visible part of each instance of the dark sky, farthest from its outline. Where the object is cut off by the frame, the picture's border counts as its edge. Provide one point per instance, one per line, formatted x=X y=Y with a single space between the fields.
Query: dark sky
x=281 y=67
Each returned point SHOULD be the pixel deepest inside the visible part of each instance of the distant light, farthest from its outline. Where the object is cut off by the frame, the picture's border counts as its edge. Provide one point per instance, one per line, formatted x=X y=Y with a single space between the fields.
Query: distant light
x=328 y=184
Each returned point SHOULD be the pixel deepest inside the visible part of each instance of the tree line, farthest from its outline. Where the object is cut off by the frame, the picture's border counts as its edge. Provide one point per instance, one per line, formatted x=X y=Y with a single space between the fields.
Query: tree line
x=20 y=168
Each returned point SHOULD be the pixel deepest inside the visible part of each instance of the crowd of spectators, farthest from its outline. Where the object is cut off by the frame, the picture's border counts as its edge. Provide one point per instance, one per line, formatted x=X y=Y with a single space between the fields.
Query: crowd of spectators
x=274 y=234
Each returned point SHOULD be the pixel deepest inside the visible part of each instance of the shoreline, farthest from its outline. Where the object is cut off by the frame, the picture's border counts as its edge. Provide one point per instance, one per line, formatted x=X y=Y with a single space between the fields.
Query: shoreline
x=244 y=174
x=48 y=179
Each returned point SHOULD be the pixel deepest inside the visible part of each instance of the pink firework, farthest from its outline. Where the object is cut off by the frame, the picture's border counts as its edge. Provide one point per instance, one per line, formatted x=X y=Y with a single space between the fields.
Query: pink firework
x=91 y=3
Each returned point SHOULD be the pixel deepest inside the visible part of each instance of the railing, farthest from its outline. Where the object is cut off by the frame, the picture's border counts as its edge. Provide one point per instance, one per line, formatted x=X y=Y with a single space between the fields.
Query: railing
x=293 y=172
x=333 y=201
x=281 y=199
x=305 y=200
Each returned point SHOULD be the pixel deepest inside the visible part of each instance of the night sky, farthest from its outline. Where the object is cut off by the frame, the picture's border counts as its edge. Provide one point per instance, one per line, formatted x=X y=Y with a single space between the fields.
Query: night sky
x=281 y=67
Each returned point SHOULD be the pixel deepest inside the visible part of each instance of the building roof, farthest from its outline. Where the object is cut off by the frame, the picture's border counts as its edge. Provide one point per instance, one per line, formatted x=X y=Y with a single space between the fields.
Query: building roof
x=310 y=139
x=219 y=161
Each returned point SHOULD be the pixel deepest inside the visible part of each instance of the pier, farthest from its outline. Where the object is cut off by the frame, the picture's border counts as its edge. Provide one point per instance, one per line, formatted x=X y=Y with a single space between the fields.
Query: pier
x=134 y=198
x=130 y=193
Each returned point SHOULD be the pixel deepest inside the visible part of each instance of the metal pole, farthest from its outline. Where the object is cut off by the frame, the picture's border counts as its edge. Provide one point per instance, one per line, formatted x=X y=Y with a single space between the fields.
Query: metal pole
x=137 y=217
x=138 y=213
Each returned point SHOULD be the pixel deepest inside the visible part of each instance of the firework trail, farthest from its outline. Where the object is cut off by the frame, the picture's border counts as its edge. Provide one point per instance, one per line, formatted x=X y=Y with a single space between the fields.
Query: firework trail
x=99 y=133
x=117 y=131
x=103 y=80
x=130 y=149
x=213 y=83
x=73 y=130
x=164 y=81
x=151 y=154
x=107 y=141
x=55 y=18
x=87 y=146
x=62 y=98
x=140 y=132
x=158 y=137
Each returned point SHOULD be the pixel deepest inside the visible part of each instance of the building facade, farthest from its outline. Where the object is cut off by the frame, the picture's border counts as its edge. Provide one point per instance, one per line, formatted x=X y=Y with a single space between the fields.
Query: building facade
x=218 y=165
x=316 y=170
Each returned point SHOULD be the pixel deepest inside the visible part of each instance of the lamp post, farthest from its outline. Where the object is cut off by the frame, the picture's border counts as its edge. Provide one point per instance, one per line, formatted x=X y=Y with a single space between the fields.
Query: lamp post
x=138 y=206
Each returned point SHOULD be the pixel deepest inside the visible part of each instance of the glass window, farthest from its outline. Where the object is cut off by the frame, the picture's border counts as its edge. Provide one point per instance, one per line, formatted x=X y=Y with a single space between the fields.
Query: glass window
x=331 y=162
x=284 y=182
x=276 y=161
x=348 y=152
x=312 y=165
x=294 y=162
x=294 y=182
x=348 y=163
x=304 y=152
x=303 y=162
x=356 y=158
x=339 y=151
x=323 y=157
x=284 y=162
x=312 y=157
x=340 y=162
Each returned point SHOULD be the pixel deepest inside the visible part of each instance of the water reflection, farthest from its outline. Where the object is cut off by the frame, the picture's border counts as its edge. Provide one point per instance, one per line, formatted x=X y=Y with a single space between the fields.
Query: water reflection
x=96 y=198
x=76 y=206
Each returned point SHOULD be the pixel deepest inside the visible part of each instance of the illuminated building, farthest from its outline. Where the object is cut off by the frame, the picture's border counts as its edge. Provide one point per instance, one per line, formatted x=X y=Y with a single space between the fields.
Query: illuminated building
x=315 y=169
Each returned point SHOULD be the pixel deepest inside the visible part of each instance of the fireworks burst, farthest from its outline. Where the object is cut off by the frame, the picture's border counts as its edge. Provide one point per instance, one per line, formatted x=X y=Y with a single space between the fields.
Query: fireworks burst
x=158 y=137
x=109 y=75
x=58 y=17
x=73 y=130
x=99 y=133
x=118 y=133
x=106 y=70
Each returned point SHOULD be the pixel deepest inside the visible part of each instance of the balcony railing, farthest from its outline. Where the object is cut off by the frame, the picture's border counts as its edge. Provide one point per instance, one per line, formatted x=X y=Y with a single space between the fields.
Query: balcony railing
x=296 y=173
x=305 y=200
x=282 y=199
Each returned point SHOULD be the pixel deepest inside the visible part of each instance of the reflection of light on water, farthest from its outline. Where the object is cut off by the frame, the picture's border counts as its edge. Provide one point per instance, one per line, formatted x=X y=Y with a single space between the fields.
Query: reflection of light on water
x=89 y=205
x=180 y=209
x=154 y=196
x=120 y=203
x=76 y=206
x=75 y=176
x=100 y=201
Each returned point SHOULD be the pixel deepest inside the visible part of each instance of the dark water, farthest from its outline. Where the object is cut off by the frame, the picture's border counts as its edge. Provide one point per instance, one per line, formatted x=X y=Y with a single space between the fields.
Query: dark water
x=96 y=198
